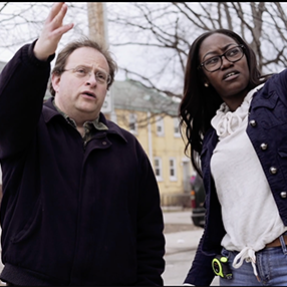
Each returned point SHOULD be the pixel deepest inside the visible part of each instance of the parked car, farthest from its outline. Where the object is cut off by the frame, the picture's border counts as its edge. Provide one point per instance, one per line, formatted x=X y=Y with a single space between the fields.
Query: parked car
x=197 y=197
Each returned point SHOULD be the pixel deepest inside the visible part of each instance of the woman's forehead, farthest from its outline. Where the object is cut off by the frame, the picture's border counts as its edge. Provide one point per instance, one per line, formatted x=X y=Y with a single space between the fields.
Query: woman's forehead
x=215 y=43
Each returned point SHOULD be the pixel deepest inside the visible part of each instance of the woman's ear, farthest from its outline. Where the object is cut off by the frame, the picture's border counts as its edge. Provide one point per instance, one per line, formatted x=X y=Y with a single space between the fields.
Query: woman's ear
x=204 y=80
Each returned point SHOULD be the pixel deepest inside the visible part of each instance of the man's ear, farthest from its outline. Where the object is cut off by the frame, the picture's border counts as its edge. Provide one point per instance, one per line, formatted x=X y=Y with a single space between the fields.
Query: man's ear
x=55 y=80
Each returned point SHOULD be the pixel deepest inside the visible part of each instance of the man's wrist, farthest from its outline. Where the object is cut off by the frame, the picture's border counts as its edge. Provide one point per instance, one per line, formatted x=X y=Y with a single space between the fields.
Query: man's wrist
x=37 y=61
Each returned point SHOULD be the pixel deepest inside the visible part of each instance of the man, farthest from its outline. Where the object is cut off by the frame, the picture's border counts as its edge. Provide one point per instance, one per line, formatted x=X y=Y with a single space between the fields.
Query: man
x=80 y=201
x=0 y=183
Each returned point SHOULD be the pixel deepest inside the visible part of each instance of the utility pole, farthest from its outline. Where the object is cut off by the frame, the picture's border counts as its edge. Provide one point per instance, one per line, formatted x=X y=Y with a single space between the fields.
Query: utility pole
x=98 y=31
x=97 y=22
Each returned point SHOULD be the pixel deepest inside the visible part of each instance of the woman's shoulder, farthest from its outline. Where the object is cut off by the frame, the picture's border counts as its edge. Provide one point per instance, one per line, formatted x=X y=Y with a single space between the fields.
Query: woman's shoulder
x=209 y=132
x=274 y=76
x=276 y=81
x=210 y=137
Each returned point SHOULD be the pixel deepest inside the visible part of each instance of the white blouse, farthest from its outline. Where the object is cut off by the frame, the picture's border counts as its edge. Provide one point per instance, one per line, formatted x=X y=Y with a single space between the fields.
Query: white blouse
x=250 y=215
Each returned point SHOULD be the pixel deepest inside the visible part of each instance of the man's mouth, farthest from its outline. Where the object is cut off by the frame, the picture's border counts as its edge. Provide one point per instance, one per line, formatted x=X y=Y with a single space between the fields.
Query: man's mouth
x=90 y=94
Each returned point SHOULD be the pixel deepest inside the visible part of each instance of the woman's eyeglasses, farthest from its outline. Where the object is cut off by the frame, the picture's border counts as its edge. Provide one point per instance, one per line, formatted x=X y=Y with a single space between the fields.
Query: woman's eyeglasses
x=233 y=55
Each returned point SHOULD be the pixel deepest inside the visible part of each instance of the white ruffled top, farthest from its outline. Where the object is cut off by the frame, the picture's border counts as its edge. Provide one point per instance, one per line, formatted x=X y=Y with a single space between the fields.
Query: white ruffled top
x=250 y=215
x=227 y=122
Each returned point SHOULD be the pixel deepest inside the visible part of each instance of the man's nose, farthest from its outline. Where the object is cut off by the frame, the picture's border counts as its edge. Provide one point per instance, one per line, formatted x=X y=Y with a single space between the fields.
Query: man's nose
x=92 y=78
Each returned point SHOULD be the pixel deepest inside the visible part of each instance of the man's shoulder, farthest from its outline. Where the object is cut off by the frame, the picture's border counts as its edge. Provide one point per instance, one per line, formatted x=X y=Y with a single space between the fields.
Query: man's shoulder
x=115 y=128
x=127 y=136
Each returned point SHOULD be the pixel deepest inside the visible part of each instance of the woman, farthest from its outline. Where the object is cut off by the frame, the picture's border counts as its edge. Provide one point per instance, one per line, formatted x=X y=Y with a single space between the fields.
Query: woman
x=235 y=121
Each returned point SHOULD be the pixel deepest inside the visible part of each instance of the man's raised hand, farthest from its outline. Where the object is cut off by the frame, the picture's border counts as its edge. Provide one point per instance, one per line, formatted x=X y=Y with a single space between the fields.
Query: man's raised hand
x=52 y=31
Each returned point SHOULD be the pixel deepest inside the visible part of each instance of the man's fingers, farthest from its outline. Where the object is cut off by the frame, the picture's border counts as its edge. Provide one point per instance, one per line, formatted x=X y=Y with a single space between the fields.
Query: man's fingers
x=57 y=7
x=62 y=30
x=58 y=28
x=55 y=25
x=58 y=19
x=52 y=32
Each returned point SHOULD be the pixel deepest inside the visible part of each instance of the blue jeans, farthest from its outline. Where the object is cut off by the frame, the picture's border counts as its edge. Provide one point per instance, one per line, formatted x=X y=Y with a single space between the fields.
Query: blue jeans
x=271 y=265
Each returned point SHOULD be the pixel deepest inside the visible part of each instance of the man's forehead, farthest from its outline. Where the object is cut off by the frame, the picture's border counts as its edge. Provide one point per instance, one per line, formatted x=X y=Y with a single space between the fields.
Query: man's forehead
x=87 y=56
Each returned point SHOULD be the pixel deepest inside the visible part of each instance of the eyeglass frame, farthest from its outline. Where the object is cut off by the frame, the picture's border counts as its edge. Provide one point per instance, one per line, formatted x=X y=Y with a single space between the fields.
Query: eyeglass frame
x=90 y=73
x=220 y=56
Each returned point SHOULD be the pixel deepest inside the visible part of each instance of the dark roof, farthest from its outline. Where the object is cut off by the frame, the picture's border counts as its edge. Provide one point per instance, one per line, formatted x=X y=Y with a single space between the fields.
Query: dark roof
x=132 y=95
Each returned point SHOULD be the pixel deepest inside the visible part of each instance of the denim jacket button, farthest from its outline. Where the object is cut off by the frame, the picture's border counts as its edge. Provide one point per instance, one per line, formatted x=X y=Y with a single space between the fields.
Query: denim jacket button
x=273 y=170
x=263 y=146
x=253 y=123
x=283 y=194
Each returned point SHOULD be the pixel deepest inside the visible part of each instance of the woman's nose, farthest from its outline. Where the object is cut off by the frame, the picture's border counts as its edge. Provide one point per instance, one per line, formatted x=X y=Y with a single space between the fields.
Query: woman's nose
x=225 y=62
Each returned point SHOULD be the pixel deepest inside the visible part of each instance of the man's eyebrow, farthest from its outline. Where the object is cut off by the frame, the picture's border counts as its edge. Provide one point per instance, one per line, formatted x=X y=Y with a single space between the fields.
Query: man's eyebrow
x=92 y=68
x=85 y=66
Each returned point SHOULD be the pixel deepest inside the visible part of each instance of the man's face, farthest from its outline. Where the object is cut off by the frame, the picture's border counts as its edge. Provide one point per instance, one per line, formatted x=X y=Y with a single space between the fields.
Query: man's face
x=79 y=92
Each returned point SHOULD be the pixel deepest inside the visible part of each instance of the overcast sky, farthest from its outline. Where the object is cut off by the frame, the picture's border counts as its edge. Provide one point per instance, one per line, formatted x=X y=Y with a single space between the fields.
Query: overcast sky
x=26 y=33
x=134 y=56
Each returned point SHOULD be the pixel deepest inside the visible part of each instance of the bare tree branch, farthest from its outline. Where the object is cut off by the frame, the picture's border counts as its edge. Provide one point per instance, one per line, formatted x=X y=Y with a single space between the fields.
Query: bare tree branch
x=156 y=37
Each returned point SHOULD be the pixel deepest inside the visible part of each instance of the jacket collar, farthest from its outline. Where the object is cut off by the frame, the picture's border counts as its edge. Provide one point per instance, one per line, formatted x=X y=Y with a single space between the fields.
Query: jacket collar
x=266 y=96
x=50 y=112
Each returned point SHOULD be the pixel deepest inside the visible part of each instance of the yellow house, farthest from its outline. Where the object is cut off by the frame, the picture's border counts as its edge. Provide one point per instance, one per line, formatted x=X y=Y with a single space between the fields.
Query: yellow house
x=152 y=117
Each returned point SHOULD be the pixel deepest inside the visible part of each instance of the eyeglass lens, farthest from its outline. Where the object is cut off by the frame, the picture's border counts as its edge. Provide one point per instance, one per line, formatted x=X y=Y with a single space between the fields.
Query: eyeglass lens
x=234 y=54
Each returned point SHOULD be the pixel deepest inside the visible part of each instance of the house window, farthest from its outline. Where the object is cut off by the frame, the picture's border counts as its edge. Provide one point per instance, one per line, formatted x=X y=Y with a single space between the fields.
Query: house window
x=158 y=168
x=159 y=126
x=172 y=169
x=176 y=127
x=133 y=123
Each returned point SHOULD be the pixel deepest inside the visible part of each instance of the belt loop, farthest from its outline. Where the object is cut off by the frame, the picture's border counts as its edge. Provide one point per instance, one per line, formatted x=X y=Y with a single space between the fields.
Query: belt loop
x=283 y=244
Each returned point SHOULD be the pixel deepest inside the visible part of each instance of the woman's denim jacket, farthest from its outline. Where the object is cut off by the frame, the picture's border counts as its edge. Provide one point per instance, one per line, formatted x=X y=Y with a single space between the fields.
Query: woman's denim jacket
x=267 y=130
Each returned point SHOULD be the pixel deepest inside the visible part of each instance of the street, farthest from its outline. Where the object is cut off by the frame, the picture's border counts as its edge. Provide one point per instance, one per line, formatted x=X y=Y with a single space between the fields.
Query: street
x=182 y=238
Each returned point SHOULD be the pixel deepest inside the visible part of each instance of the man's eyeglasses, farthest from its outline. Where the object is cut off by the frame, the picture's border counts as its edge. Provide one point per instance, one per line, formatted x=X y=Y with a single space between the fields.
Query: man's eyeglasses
x=233 y=55
x=83 y=72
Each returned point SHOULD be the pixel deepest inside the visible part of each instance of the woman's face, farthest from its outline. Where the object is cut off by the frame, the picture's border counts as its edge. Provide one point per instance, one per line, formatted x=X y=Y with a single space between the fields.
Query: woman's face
x=231 y=79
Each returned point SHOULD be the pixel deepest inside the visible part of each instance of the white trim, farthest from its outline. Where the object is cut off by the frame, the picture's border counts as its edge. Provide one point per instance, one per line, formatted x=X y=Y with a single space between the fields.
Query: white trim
x=159 y=125
x=149 y=134
x=133 y=123
x=172 y=169
x=176 y=128
x=158 y=168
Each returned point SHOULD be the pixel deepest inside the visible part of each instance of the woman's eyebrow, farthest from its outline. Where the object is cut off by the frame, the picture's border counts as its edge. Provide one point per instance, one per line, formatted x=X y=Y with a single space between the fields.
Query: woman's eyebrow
x=222 y=49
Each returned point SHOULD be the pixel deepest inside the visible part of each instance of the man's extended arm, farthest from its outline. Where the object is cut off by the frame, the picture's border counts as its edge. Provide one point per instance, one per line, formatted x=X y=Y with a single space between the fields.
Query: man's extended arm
x=23 y=84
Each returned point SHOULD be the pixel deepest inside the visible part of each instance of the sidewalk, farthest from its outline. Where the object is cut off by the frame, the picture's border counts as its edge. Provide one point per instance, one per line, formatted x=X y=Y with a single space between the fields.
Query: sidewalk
x=181 y=244
x=183 y=240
